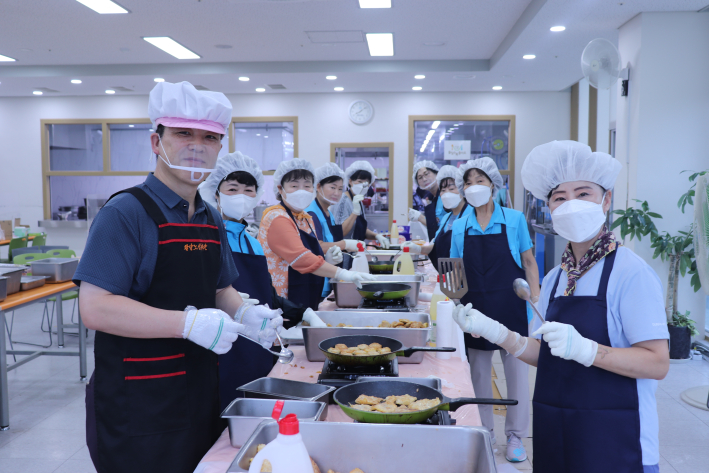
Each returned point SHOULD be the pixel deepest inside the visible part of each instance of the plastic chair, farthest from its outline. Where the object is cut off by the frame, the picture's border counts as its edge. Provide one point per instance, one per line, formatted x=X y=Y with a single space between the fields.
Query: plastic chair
x=14 y=244
x=44 y=248
x=61 y=254
x=27 y=257
x=39 y=239
x=20 y=251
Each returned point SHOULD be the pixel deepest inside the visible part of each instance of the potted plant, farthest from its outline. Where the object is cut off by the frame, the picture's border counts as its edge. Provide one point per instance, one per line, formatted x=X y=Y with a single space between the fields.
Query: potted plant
x=678 y=250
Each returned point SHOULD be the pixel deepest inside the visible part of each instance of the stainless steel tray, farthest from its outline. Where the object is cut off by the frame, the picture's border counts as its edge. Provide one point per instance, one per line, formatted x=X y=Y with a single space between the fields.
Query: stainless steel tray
x=3 y=288
x=244 y=415
x=14 y=276
x=365 y=323
x=31 y=282
x=56 y=269
x=434 y=383
x=383 y=448
x=277 y=388
x=346 y=294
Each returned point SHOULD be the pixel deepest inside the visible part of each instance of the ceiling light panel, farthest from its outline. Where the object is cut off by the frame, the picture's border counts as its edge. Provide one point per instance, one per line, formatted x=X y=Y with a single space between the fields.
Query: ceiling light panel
x=259 y=89
x=529 y=56
x=171 y=47
x=375 y=3
x=7 y=58
x=419 y=76
x=103 y=6
x=159 y=79
x=416 y=88
x=339 y=89
x=497 y=87
x=330 y=77
x=556 y=29
x=76 y=81
x=37 y=92
x=244 y=79
x=380 y=44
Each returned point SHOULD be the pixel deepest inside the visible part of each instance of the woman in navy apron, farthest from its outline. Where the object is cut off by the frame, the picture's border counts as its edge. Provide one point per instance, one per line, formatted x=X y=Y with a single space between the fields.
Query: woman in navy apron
x=496 y=249
x=425 y=177
x=602 y=346
x=290 y=243
x=237 y=184
x=449 y=179
x=349 y=212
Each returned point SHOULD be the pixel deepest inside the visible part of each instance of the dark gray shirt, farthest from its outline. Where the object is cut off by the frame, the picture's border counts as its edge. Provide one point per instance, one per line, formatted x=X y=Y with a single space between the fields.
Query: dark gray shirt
x=122 y=247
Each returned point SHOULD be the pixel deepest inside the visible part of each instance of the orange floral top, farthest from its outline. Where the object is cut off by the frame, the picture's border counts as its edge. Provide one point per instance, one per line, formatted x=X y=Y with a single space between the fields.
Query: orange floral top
x=282 y=246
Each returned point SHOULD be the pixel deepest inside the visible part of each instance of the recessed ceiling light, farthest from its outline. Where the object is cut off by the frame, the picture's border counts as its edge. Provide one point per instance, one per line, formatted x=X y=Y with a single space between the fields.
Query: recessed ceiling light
x=131 y=126
x=7 y=58
x=380 y=44
x=260 y=89
x=110 y=91
x=103 y=6
x=339 y=89
x=159 y=79
x=171 y=47
x=265 y=136
x=37 y=92
x=244 y=79
x=528 y=56
x=258 y=134
x=416 y=88
x=330 y=77
x=375 y=3
x=419 y=76
x=557 y=28
x=76 y=81
x=497 y=87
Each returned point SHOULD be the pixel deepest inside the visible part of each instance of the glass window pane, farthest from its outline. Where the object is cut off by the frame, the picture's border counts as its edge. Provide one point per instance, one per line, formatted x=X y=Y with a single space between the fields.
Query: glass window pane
x=75 y=147
x=268 y=143
x=70 y=191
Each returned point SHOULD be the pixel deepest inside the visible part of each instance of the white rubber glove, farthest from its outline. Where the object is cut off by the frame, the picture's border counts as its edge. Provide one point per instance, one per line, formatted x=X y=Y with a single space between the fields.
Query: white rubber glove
x=354 y=276
x=259 y=322
x=312 y=318
x=252 y=230
x=212 y=329
x=414 y=215
x=351 y=245
x=565 y=342
x=248 y=299
x=384 y=242
x=414 y=249
x=356 y=208
x=479 y=325
x=333 y=255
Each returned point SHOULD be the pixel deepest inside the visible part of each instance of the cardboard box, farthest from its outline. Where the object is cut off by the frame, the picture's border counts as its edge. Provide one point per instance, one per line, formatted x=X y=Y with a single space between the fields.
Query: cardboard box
x=6 y=227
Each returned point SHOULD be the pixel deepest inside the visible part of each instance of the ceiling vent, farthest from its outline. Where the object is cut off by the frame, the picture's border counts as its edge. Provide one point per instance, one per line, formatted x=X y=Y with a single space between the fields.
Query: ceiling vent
x=200 y=87
x=335 y=36
x=121 y=89
x=277 y=86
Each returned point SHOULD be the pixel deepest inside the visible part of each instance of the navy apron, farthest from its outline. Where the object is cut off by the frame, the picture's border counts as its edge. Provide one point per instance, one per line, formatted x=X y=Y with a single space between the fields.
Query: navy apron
x=431 y=220
x=360 y=225
x=442 y=243
x=305 y=289
x=591 y=417
x=153 y=404
x=246 y=361
x=491 y=270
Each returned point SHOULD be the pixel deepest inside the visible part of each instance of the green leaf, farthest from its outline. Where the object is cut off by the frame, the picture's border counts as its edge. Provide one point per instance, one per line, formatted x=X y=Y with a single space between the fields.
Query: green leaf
x=657 y=253
x=654 y=215
x=616 y=222
x=619 y=212
x=638 y=234
x=695 y=282
x=623 y=228
x=646 y=207
x=683 y=265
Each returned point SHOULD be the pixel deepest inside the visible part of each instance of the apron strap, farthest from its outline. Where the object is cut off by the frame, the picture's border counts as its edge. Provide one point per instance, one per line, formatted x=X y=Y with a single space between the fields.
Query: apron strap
x=294 y=221
x=248 y=244
x=148 y=204
x=607 y=268
x=556 y=283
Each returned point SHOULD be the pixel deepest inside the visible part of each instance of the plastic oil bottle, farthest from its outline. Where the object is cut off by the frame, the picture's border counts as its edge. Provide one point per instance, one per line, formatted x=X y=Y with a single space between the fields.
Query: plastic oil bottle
x=359 y=262
x=435 y=298
x=394 y=234
x=287 y=453
x=403 y=264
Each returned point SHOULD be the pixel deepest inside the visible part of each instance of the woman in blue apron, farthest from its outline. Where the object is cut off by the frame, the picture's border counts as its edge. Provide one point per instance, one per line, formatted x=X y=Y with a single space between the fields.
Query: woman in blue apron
x=290 y=243
x=496 y=249
x=235 y=187
x=329 y=182
x=450 y=181
x=425 y=177
x=349 y=212
x=605 y=333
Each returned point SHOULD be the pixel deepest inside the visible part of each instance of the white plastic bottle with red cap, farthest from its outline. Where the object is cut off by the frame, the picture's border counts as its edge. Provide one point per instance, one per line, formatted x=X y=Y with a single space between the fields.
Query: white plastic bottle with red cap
x=359 y=262
x=435 y=298
x=403 y=264
x=394 y=234
x=287 y=453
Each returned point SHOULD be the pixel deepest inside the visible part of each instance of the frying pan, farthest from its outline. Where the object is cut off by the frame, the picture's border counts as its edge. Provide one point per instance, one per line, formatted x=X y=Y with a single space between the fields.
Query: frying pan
x=384 y=291
x=348 y=394
x=397 y=349
x=381 y=267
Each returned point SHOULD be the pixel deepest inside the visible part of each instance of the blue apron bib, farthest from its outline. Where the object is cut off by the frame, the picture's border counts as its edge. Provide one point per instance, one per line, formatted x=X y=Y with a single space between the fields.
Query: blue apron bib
x=327 y=231
x=431 y=219
x=591 y=417
x=246 y=361
x=491 y=270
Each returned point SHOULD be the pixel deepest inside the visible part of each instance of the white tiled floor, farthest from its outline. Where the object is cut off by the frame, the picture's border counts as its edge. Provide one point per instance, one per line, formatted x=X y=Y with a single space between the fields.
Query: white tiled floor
x=47 y=417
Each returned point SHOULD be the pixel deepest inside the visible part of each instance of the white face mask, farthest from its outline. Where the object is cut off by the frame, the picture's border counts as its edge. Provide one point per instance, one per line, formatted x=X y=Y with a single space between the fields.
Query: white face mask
x=236 y=206
x=450 y=200
x=299 y=199
x=331 y=202
x=478 y=195
x=200 y=171
x=578 y=220
x=360 y=189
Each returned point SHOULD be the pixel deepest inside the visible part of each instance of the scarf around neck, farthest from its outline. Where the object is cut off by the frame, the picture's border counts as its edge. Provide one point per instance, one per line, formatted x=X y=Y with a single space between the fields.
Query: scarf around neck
x=603 y=246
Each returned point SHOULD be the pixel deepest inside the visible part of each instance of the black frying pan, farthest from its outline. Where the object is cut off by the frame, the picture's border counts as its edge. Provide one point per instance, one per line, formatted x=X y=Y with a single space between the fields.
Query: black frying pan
x=347 y=395
x=397 y=349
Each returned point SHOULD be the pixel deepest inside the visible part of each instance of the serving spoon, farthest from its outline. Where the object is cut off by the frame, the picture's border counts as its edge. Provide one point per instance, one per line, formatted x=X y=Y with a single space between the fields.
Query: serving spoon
x=522 y=290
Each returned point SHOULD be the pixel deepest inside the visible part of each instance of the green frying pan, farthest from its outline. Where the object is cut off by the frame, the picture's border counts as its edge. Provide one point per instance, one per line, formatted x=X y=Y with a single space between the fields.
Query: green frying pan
x=397 y=349
x=382 y=291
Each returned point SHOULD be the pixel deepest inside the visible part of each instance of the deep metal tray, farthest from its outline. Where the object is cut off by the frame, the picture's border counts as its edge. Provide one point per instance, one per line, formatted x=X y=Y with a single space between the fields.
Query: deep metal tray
x=277 y=388
x=56 y=269
x=365 y=323
x=383 y=448
x=14 y=276
x=31 y=282
x=434 y=383
x=244 y=415
x=346 y=294
x=3 y=288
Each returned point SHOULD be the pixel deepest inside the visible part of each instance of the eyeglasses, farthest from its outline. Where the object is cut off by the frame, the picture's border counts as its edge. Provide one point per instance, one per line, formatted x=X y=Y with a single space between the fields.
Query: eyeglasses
x=424 y=175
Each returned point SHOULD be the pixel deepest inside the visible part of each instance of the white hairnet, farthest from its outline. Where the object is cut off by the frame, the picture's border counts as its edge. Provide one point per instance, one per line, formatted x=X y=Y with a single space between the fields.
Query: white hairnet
x=287 y=166
x=554 y=163
x=227 y=164
x=328 y=170
x=360 y=166
x=486 y=165
x=446 y=172
x=423 y=164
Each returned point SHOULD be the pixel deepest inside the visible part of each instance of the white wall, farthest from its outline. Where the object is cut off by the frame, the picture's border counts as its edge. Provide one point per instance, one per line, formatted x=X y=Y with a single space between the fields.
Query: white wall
x=668 y=116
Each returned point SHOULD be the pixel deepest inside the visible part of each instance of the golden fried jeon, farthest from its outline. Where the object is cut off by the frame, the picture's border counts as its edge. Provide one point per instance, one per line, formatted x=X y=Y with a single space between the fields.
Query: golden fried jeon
x=362 y=346
x=369 y=400
x=385 y=350
x=375 y=345
x=361 y=407
x=423 y=404
x=372 y=349
x=403 y=323
x=341 y=346
x=385 y=408
x=394 y=404
x=336 y=351
x=405 y=400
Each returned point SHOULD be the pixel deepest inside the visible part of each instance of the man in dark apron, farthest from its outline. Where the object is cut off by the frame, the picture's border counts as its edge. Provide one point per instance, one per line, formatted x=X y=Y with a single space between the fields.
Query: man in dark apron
x=156 y=286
